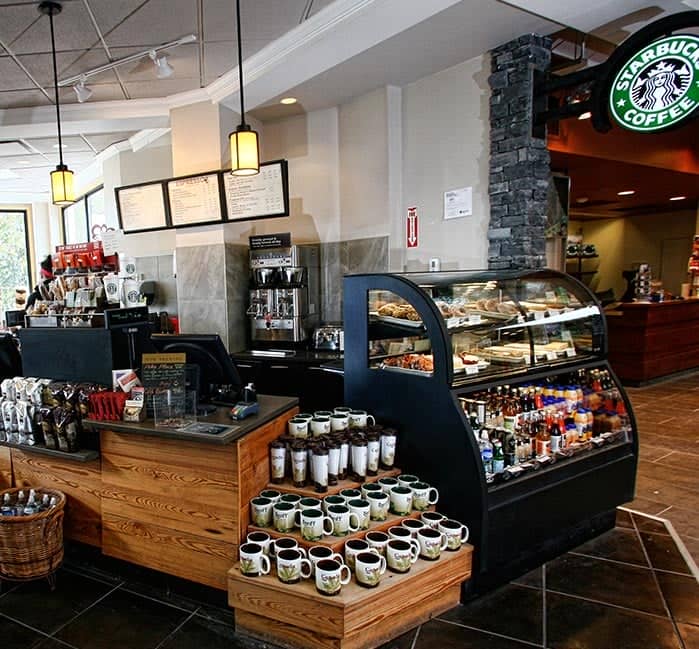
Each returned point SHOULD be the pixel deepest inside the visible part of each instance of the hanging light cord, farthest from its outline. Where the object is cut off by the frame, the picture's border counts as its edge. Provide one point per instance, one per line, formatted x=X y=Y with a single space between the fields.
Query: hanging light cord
x=240 y=65
x=55 y=85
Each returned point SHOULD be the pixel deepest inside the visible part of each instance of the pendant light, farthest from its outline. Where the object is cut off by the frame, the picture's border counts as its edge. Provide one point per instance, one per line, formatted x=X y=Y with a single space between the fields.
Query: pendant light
x=62 y=192
x=245 y=148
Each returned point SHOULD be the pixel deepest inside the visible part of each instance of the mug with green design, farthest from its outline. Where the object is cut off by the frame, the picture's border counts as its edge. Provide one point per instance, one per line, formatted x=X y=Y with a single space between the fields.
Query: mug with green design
x=368 y=568
x=400 y=554
x=283 y=515
x=292 y=566
x=261 y=511
x=314 y=525
x=331 y=576
x=253 y=561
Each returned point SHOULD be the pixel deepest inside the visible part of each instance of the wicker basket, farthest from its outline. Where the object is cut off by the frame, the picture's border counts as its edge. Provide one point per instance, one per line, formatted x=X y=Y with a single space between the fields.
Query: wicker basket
x=31 y=546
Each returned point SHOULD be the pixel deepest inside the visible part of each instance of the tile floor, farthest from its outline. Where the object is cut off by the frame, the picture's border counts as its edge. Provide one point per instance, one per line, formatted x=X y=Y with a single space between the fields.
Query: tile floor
x=630 y=588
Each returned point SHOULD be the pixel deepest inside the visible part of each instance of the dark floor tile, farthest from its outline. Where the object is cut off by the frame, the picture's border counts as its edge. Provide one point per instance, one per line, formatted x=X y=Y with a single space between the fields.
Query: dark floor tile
x=648 y=505
x=685 y=521
x=442 y=635
x=52 y=643
x=663 y=553
x=578 y=624
x=198 y=632
x=120 y=620
x=618 y=545
x=512 y=610
x=690 y=635
x=158 y=586
x=16 y=636
x=404 y=641
x=614 y=583
x=647 y=524
x=37 y=606
x=682 y=596
x=533 y=578
x=623 y=519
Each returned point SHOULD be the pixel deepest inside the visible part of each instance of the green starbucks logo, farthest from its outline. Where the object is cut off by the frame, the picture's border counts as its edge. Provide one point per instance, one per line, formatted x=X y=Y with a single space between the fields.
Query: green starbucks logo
x=659 y=86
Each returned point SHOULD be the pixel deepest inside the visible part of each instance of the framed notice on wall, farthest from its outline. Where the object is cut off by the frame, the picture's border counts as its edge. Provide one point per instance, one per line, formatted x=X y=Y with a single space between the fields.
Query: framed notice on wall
x=141 y=207
x=264 y=195
x=195 y=200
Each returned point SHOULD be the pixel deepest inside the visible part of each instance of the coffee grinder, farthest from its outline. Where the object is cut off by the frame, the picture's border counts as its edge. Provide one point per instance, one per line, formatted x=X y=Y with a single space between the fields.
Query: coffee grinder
x=284 y=295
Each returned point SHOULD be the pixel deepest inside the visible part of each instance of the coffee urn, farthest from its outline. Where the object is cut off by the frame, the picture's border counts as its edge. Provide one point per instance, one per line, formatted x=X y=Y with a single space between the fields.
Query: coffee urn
x=284 y=294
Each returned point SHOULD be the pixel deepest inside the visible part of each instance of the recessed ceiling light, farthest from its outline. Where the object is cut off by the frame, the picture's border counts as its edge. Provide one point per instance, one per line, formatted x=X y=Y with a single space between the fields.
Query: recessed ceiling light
x=585 y=115
x=678 y=198
x=626 y=192
x=63 y=146
x=288 y=100
x=582 y=199
x=23 y=162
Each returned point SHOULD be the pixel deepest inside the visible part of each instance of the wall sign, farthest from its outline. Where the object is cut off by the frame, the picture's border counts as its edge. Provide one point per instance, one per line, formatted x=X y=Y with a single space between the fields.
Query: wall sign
x=411 y=229
x=658 y=87
x=195 y=200
x=141 y=207
x=261 y=196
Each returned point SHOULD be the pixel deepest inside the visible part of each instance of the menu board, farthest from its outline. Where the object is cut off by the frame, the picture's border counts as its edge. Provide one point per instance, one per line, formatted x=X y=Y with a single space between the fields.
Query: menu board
x=264 y=194
x=163 y=377
x=195 y=200
x=141 y=207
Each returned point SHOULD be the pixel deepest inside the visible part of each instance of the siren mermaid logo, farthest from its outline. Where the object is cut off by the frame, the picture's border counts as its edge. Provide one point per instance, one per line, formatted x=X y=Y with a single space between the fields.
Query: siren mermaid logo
x=659 y=86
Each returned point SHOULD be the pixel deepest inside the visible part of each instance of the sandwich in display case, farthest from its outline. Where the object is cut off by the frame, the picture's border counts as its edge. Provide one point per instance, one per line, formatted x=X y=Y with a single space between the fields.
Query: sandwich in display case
x=500 y=386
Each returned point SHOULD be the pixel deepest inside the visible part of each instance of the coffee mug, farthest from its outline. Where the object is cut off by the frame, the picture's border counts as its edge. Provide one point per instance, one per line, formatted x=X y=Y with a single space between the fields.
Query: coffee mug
x=368 y=568
x=339 y=422
x=456 y=533
x=284 y=543
x=353 y=547
x=360 y=419
x=314 y=525
x=400 y=555
x=320 y=426
x=344 y=521
x=378 y=541
x=362 y=509
x=370 y=487
x=431 y=519
x=401 y=500
x=272 y=494
x=261 y=511
x=387 y=483
x=283 y=517
x=310 y=503
x=432 y=542
x=306 y=416
x=319 y=552
x=294 y=499
x=423 y=495
x=253 y=561
x=333 y=500
x=298 y=427
x=331 y=576
x=350 y=494
x=414 y=525
x=400 y=532
x=342 y=410
x=261 y=538
x=407 y=479
x=292 y=566
x=378 y=504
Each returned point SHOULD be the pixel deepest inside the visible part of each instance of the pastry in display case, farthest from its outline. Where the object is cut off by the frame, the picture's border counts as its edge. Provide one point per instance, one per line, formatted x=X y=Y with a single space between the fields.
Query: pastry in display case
x=501 y=383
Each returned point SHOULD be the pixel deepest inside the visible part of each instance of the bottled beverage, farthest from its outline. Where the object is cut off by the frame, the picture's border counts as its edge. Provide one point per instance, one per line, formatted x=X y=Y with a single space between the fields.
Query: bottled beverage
x=555 y=437
x=543 y=441
x=486 y=449
x=498 y=457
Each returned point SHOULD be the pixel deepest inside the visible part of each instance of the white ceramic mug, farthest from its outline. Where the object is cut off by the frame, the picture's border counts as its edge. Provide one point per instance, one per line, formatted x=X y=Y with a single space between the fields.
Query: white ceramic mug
x=456 y=533
x=314 y=525
x=370 y=487
x=368 y=568
x=423 y=495
x=272 y=494
x=293 y=499
x=400 y=555
x=378 y=541
x=253 y=561
x=322 y=413
x=407 y=479
x=353 y=547
x=350 y=494
x=310 y=503
x=333 y=499
x=414 y=525
x=320 y=426
x=298 y=427
x=319 y=552
x=379 y=504
x=342 y=410
x=360 y=419
x=432 y=542
x=283 y=517
x=399 y=532
x=261 y=538
x=261 y=511
x=292 y=566
x=431 y=519
x=387 y=483
x=284 y=543
x=344 y=521
x=339 y=422
x=304 y=415
x=331 y=576
x=401 y=500
x=362 y=509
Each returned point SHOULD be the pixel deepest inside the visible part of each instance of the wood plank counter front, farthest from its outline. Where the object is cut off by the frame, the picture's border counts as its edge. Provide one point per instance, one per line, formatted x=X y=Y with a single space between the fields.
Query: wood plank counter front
x=649 y=340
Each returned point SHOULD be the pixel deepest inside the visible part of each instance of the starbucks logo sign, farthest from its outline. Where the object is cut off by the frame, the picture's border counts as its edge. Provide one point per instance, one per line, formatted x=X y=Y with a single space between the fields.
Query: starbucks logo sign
x=659 y=86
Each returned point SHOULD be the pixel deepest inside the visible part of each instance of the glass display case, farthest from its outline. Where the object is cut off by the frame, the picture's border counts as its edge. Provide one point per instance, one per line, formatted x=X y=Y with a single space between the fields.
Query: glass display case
x=499 y=384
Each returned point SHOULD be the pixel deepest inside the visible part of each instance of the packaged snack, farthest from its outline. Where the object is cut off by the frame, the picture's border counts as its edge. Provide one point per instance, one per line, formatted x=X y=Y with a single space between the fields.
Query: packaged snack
x=48 y=427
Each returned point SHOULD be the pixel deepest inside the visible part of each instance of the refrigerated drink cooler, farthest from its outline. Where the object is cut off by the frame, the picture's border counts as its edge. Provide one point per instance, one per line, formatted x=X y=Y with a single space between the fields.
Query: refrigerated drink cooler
x=435 y=354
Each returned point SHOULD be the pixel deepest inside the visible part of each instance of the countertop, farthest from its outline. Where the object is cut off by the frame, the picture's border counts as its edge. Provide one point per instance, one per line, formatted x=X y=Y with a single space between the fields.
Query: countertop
x=296 y=356
x=270 y=407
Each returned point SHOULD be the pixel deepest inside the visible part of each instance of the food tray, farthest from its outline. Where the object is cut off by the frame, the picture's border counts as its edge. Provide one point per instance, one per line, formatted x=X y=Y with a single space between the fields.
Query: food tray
x=405 y=370
x=388 y=319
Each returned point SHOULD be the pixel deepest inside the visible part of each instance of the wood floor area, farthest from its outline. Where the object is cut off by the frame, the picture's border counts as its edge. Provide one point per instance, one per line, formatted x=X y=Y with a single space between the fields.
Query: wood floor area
x=667 y=484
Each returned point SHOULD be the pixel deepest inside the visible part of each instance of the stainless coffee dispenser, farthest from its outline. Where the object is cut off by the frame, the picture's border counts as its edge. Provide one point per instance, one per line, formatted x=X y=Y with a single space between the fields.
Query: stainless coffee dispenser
x=284 y=293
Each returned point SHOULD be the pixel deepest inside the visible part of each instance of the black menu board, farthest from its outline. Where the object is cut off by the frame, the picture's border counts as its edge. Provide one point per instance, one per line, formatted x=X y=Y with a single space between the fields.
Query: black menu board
x=163 y=377
x=194 y=200
x=263 y=195
x=141 y=207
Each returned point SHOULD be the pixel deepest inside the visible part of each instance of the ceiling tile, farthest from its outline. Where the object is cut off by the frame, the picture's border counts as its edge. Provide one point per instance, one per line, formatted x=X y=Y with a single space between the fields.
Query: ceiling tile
x=158 y=21
x=22 y=98
x=70 y=64
x=144 y=89
x=110 y=13
x=104 y=140
x=46 y=145
x=319 y=5
x=16 y=19
x=219 y=58
x=262 y=20
x=73 y=29
x=12 y=77
x=22 y=162
x=184 y=59
x=40 y=66
x=100 y=92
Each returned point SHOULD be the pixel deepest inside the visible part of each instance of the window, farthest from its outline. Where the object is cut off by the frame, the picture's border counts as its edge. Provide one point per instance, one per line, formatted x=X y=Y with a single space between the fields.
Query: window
x=14 y=260
x=83 y=219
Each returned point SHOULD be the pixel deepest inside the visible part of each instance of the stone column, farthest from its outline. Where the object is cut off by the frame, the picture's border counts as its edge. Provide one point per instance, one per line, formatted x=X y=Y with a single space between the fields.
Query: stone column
x=519 y=162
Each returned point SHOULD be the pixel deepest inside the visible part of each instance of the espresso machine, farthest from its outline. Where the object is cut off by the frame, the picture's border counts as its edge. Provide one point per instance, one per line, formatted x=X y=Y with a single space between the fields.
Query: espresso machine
x=284 y=294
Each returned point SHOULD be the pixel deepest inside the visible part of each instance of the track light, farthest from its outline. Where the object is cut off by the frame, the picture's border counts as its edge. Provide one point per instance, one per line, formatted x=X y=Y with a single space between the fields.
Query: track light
x=82 y=91
x=163 y=68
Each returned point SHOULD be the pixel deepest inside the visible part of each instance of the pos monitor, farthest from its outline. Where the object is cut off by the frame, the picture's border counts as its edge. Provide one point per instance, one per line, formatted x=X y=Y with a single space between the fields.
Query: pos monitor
x=219 y=381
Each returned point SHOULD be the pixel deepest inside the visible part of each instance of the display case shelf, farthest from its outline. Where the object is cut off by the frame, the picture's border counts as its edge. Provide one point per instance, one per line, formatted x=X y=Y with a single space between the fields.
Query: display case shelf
x=288 y=487
x=81 y=455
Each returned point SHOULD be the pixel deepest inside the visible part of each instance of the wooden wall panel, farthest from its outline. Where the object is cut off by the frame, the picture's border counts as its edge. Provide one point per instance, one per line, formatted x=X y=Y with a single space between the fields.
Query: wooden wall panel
x=80 y=481
x=5 y=468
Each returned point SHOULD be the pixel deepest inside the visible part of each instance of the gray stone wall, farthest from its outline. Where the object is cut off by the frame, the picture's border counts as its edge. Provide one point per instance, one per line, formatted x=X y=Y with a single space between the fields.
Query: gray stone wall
x=519 y=162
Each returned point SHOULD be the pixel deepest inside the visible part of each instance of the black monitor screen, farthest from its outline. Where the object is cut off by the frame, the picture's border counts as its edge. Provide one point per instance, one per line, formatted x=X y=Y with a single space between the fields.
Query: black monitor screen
x=10 y=359
x=218 y=377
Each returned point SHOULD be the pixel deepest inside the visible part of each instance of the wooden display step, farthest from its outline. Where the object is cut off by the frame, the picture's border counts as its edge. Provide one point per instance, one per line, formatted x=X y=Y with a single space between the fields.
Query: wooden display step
x=337 y=542
x=288 y=487
x=298 y=617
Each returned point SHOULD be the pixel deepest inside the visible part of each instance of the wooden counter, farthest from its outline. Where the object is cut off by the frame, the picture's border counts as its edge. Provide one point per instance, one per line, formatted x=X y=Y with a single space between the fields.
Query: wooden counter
x=650 y=340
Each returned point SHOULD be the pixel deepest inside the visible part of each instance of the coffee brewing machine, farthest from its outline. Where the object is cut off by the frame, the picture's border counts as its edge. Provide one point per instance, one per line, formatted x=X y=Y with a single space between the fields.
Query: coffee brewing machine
x=284 y=294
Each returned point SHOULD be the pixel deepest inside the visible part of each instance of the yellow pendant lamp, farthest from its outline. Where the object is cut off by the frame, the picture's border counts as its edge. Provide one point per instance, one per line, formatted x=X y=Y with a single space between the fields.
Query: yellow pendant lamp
x=62 y=191
x=245 y=146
